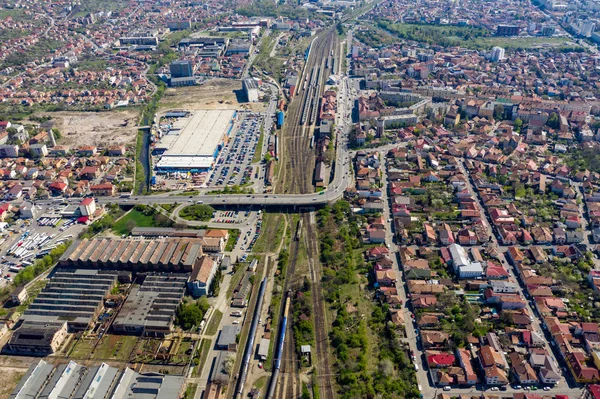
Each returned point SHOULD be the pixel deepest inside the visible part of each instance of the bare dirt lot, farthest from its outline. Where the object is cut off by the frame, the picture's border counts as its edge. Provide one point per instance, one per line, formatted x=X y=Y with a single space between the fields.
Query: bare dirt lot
x=96 y=128
x=9 y=379
x=212 y=94
x=12 y=368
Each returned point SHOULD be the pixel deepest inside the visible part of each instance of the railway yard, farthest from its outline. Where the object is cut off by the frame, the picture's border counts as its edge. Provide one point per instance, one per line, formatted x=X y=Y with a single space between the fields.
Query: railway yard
x=299 y=136
x=300 y=156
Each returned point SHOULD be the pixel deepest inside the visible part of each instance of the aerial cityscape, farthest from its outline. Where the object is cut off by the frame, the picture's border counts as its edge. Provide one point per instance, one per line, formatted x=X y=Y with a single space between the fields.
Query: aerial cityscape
x=290 y=199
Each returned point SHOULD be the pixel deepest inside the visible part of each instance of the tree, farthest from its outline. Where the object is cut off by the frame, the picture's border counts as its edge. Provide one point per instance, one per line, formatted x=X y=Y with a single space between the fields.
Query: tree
x=518 y=124
x=499 y=112
x=130 y=225
x=553 y=121
x=189 y=316
x=56 y=133
x=305 y=392
x=162 y=220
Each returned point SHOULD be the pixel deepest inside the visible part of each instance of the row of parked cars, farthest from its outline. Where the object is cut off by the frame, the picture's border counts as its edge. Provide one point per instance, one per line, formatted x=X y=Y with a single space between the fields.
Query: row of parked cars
x=241 y=152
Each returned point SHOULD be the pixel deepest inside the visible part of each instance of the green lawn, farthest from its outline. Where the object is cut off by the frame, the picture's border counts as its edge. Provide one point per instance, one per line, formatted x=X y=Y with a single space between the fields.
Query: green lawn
x=117 y=347
x=82 y=349
x=520 y=42
x=202 y=354
x=234 y=234
x=197 y=212
x=215 y=321
x=235 y=279
x=259 y=146
x=467 y=36
x=190 y=391
x=121 y=226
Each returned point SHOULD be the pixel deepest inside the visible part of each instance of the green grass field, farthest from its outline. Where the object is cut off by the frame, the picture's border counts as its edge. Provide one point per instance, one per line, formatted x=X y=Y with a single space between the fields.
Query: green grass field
x=116 y=347
x=213 y=325
x=468 y=36
x=140 y=220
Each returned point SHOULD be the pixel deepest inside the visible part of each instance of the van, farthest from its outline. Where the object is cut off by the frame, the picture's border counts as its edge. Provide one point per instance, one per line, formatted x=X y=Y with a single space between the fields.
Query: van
x=199 y=202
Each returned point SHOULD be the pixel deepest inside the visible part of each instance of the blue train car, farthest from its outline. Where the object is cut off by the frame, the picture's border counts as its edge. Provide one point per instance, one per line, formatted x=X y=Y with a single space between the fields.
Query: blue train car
x=280 y=119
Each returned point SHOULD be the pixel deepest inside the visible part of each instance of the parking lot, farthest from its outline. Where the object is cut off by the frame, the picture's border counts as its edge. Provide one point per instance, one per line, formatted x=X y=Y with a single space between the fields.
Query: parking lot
x=233 y=166
x=250 y=237
x=233 y=217
x=25 y=241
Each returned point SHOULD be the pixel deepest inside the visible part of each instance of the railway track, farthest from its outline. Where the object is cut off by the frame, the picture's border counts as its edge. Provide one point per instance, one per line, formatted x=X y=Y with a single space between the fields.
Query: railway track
x=293 y=386
x=322 y=356
x=289 y=385
x=299 y=170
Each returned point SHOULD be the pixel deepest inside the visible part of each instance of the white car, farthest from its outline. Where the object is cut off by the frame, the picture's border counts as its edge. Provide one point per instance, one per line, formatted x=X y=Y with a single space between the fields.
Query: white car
x=235 y=322
x=416 y=367
x=447 y=388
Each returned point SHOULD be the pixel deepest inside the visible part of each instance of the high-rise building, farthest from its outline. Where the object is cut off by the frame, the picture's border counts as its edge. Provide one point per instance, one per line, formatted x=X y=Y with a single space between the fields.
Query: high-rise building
x=507 y=30
x=182 y=69
x=497 y=54
x=587 y=28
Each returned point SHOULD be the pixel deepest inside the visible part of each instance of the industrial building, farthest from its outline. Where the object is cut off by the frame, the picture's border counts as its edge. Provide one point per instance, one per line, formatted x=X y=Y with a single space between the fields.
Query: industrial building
x=193 y=143
x=150 y=308
x=228 y=338
x=206 y=46
x=181 y=82
x=72 y=295
x=37 y=339
x=263 y=349
x=250 y=87
x=72 y=380
x=166 y=255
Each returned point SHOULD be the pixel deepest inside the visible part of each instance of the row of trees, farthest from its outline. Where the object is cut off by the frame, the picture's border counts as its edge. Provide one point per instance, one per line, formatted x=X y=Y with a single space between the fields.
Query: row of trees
x=41 y=265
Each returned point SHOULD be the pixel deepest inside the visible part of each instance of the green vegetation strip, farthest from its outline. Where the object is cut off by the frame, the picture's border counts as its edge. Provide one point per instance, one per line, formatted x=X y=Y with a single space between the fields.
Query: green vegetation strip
x=467 y=36
x=140 y=216
x=240 y=269
x=234 y=235
x=201 y=356
x=40 y=266
x=197 y=212
x=257 y=154
x=369 y=358
x=190 y=391
x=215 y=321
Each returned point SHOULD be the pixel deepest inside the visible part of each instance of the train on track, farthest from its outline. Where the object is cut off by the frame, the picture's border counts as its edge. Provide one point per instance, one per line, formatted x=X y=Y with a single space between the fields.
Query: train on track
x=299 y=230
x=279 y=348
x=250 y=343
